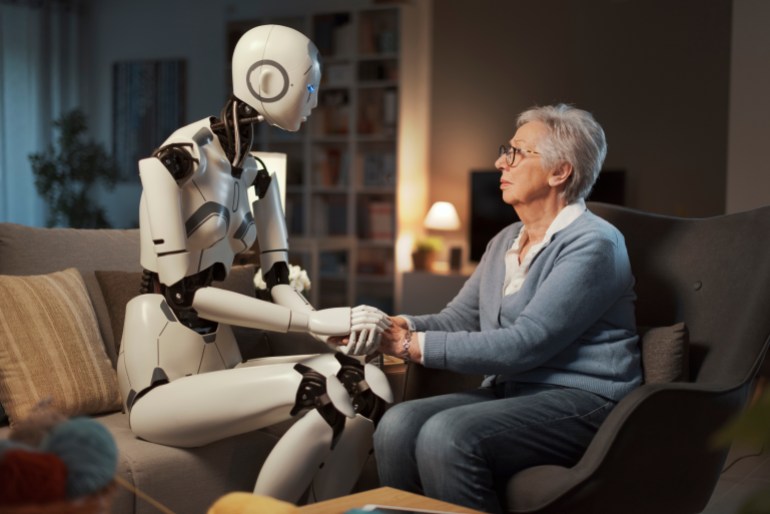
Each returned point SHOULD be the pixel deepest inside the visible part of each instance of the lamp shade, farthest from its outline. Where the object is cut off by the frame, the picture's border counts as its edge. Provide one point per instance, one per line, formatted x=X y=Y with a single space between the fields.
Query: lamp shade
x=442 y=216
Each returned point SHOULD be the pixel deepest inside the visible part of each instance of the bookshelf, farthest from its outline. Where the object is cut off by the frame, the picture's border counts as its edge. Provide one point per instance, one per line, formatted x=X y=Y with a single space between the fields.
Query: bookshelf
x=342 y=164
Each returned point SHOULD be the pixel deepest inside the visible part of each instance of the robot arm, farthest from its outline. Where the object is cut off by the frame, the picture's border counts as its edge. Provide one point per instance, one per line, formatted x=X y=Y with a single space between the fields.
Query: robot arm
x=161 y=176
x=367 y=323
x=274 y=242
x=236 y=309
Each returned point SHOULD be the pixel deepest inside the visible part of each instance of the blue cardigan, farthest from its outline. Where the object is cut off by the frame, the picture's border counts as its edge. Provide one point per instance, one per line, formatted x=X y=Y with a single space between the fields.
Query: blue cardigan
x=571 y=324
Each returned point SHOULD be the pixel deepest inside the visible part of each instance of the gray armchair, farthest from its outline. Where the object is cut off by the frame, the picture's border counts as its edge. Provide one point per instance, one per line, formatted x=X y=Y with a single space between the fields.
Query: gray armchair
x=654 y=453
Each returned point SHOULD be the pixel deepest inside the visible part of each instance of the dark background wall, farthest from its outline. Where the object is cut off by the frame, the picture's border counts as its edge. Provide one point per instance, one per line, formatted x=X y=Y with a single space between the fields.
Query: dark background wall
x=655 y=74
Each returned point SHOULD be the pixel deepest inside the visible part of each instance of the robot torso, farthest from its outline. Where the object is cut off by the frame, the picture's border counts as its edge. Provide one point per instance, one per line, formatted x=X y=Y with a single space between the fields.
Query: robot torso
x=213 y=201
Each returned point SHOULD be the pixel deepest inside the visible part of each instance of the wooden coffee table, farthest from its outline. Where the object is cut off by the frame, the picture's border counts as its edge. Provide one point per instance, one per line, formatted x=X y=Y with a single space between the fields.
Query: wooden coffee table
x=382 y=496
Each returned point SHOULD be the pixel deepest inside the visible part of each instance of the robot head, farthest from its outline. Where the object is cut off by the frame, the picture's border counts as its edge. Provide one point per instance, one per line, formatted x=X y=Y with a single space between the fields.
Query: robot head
x=276 y=70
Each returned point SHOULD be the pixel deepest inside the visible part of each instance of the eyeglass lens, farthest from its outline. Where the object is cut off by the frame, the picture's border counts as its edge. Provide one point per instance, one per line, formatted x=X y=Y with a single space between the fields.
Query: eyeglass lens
x=509 y=152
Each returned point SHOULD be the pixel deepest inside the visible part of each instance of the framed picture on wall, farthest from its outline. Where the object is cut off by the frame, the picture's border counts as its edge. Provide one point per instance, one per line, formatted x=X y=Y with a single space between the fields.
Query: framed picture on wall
x=149 y=99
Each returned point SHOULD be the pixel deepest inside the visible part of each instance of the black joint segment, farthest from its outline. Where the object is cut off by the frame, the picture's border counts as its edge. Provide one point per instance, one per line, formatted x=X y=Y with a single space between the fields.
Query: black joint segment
x=311 y=394
x=131 y=399
x=365 y=402
x=177 y=159
x=278 y=274
x=261 y=183
x=159 y=377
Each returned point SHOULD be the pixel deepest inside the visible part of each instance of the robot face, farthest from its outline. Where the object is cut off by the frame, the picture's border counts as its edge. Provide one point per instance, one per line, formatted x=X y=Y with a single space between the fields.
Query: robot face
x=276 y=70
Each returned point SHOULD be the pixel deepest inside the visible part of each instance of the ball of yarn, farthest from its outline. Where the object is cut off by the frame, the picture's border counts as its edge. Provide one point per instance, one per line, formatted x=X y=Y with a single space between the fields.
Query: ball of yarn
x=89 y=452
x=9 y=444
x=33 y=428
x=247 y=503
x=31 y=477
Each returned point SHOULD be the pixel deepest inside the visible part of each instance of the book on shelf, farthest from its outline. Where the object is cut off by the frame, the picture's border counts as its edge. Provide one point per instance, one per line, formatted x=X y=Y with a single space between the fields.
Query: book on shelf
x=375 y=261
x=329 y=216
x=330 y=166
x=379 y=169
x=381 y=222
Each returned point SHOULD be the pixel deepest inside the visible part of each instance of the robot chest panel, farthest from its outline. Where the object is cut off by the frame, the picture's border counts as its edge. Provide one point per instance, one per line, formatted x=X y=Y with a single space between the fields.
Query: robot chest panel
x=217 y=213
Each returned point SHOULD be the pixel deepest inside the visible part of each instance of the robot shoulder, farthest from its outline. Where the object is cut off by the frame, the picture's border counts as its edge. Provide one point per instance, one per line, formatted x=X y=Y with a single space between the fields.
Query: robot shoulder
x=181 y=153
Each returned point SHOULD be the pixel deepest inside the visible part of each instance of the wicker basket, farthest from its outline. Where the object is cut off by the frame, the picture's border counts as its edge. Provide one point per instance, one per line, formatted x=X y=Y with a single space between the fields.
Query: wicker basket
x=97 y=503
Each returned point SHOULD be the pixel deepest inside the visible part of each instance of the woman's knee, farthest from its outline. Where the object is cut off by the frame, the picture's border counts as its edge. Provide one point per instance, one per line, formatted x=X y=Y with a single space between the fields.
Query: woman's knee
x=397 y=425
x=444 y=438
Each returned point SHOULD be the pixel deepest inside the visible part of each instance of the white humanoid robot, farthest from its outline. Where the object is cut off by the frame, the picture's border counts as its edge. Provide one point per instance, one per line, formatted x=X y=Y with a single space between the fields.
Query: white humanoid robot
x=180 y=372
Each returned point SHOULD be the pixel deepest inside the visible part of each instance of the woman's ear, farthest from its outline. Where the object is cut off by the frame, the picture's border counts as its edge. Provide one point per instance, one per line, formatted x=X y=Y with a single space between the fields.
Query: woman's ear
x=560 y=175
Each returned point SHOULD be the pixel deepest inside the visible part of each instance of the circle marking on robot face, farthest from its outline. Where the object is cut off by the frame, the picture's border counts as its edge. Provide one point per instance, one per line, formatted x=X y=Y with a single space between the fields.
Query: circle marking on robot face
x=281 y=70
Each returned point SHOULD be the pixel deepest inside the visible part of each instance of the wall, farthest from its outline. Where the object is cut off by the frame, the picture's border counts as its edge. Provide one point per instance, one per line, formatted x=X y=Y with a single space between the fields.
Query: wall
x=654 y=73
x=748 y=177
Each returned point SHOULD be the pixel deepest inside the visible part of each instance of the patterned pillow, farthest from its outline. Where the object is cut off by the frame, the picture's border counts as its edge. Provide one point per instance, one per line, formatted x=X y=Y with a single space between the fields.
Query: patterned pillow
x=50 y=347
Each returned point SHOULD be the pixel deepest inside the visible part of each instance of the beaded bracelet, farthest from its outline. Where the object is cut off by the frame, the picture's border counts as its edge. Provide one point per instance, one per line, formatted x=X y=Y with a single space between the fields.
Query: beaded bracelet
x=405 y=344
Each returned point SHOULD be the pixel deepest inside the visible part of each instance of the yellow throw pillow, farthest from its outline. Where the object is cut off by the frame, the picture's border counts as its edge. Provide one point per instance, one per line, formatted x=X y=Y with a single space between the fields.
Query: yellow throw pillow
x=51 y=348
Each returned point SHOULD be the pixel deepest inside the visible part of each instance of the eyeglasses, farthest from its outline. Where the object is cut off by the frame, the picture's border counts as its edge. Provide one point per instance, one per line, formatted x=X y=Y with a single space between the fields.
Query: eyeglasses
x=511 y=152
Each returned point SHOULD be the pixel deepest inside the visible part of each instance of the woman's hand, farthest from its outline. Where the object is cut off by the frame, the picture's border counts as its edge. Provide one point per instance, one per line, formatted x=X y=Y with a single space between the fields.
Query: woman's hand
x=400 y=342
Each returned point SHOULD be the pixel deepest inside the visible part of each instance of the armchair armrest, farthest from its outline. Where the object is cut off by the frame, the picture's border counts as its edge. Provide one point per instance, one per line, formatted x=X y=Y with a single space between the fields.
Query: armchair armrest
x=654 y=449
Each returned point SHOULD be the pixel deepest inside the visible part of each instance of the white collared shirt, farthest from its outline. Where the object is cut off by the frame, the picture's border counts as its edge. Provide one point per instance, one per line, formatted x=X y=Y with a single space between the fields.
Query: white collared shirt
x=515 y=271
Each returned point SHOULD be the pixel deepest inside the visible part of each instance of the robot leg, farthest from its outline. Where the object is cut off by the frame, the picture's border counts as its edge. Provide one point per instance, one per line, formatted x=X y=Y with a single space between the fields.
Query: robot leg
x=370 y=392
x=296 y=458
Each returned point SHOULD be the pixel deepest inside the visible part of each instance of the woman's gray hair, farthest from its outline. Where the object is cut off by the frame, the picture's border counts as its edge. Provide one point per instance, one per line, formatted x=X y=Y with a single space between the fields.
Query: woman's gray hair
x=574 y=137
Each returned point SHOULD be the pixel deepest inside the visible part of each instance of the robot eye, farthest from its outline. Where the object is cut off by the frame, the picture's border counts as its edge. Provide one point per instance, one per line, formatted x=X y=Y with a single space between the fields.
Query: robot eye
x=310 y=88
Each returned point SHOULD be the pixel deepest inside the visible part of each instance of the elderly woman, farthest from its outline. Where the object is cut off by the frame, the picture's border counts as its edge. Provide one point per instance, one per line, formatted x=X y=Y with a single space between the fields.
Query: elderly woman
x=547 y=316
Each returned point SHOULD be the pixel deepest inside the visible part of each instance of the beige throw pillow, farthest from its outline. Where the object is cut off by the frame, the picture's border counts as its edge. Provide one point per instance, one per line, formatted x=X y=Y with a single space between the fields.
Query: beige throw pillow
x=50 y=347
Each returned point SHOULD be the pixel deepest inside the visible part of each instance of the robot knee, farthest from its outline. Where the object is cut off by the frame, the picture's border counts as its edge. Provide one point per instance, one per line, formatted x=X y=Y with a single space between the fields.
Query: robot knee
x=365 y=399
x=325 y=395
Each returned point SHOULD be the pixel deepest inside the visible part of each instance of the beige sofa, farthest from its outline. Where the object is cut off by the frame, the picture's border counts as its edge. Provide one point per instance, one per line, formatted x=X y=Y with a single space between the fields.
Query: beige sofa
x=184 y=480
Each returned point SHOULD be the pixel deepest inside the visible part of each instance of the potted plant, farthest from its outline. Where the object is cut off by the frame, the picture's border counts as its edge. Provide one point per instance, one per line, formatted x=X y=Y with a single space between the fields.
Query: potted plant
x=66 y=173
x=425 y=250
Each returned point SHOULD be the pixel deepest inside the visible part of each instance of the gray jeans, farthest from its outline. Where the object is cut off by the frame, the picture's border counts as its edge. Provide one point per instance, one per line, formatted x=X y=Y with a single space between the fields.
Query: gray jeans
x=463 y=447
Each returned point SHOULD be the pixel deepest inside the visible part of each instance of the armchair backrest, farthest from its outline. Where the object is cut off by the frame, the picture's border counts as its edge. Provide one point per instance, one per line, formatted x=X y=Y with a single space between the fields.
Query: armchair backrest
x=713 y=274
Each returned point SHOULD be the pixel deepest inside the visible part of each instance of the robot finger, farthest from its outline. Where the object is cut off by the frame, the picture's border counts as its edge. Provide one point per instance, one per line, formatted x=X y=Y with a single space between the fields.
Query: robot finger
x=370 y=318
x=361 y=345
x=373 y=341
x=347 y=349
x=357 y=337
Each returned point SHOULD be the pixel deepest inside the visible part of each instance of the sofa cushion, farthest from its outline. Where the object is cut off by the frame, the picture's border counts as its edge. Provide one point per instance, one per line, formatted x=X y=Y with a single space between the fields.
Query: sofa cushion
x=118 y=287
x=665 y=353
x=51 y=348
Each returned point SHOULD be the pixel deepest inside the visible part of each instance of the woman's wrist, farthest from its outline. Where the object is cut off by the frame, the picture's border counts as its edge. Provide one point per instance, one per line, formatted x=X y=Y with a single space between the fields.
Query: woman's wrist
x=406 y=344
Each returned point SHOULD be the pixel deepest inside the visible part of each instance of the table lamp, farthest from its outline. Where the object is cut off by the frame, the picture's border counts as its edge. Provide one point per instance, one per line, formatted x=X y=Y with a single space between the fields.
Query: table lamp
x=442 y=216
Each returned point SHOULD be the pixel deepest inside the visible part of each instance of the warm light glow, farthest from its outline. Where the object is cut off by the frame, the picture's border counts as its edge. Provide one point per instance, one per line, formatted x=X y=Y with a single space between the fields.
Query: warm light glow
x=276 y=164
x=442 y=216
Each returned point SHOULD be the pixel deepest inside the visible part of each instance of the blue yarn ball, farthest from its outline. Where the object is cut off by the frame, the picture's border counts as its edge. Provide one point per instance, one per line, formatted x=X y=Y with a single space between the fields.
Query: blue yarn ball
x=89 y=451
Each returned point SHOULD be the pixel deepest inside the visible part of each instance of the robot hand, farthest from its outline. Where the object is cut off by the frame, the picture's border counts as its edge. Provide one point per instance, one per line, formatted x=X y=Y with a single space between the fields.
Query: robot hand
x=368 y=324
